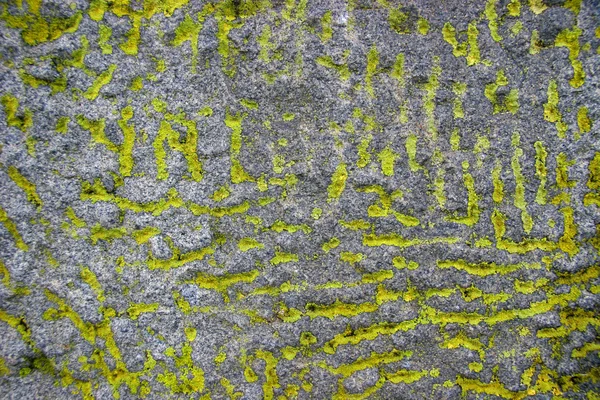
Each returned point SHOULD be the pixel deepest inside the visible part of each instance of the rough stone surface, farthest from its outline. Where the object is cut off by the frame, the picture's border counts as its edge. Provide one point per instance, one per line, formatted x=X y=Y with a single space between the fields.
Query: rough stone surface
x=299 y=199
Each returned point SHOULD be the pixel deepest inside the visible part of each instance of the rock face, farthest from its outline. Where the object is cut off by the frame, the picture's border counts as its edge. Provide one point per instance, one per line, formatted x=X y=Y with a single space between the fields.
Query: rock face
x=299 y=199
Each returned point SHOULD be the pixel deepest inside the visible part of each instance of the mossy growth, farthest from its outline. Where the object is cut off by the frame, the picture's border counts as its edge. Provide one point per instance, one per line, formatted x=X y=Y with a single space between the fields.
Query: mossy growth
x=23 y=121
x=569 y=38
x=511 y=101
x=338 y=182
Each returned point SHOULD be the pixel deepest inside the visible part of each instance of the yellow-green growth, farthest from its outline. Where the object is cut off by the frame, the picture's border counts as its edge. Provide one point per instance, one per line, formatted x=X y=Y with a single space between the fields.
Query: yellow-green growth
x=307 y=338
x=57 y=85
x=126 y=148
x=473 y=211
x=221 y=283
x=142 y=236
x=516 y=28
x=567 y=241
x=62 y=125
x=188 y=31
x=535 y=44
x=251 y=104
x=573 y=5
x=26 y=185
x=338 y=309
x=379 y=276
x=387 y=158
x=369 y=333
x=498 y=194
x=190 y=333
x=11 y=108
x=20 y=325
x=411 y=150
x=96 y=129
x=220 y=194
x=541 y=172
x=455 y=139
x=331 y=244
x=523 y=247
x=327 y=27
x=400 y=263
x=462 y=340
x=562 y=171
x=398 y=21
x=283 y=257
x=584 y=122
x=237 y=171
x=364 y=156
x=77 y=59
x=519 y=199
x=338 y=182
x=250 y=375
x=104 y=34
x=374 y=360
x=514 y=8
x=271 y=378
x=187 y=147
x=358 y=224
x=551 y=111
x=481 y=146
x=5 y=275
x=494 y=388
x=396 y=240
x=191 y=377
x=249 y=243
x=264 y=42
x=449 y=35
x=159 y=105
x=280 y=226
x=492 y=16
x=593 y=181
x=372 y=62
x=351 y=258
x=130 y=46
x=342 y=69
x=584 y=350
x=36 y=29
x=98 y=232
x=89 y=277
x=439 y=185
x=12 y=229
x=369 y=120
x=474 y=56
x=316 y=213
x=78 y=222
x=570 y=39
x=137 y=84
x=483 y=269
x=65 y=311
x=135 y=310
x=459 y=90
x=511 y=102
x=178 y=259
x=537 y=6
x=102 y=80
x=398 y=70
x=423 y=26
x=205 y=111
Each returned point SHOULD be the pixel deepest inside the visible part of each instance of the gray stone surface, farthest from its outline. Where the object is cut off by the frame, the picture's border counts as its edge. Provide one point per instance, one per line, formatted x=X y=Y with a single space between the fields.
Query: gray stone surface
x=299 y=199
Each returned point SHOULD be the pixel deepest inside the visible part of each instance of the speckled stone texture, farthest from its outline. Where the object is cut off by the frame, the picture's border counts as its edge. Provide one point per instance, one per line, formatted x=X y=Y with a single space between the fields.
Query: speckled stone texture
x=305 y=199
